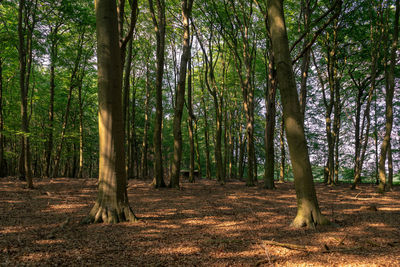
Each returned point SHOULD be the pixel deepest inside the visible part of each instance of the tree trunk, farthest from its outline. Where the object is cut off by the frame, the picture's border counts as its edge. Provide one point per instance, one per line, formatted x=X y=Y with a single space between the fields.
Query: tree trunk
x=125 y=95
x=305 y=64
x=25 y=61
x=389 y=104
x=159 y=26
x=389 y=185
x=53 y=57
x=270 y=126
x=198 y=157
x=112 y=204
x=308 y=212
x=190 y=123
x=207 y=141
x=180 y=95
x=144 y=163
x=72 y=84
x=283 y=153
x=2 y=165
x=80 y=170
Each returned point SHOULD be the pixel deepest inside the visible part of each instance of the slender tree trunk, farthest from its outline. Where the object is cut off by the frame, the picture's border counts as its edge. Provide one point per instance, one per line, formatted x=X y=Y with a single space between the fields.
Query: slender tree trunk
x=305 y=64
x=72 y=84
x=144 y=163
x=2 y=165
x=308 y=212
x=25 y=61
x=198 y=157
x=207 y=141
x=53 y=57
x=270 y=126
x=112 y=203
x=389 y=185
x=126 y=87
x=80 y=171
x=180 y=95
x=190 y=123
x=389 y=104
x=159 y=26
x=283 y=153
x=133 y=147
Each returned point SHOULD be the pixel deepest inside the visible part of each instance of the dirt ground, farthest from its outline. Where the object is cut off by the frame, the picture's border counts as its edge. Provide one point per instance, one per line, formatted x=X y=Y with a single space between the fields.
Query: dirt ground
x=202 y=224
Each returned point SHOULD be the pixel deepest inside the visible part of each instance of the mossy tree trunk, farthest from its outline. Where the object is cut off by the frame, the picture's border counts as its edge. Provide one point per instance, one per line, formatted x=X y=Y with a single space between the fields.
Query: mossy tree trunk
x=112 y=204
x=308 y=212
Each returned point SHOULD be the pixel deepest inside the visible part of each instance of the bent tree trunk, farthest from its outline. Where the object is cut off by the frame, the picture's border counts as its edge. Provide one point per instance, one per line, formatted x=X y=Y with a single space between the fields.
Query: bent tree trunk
x=308 y=212
x=112 y=204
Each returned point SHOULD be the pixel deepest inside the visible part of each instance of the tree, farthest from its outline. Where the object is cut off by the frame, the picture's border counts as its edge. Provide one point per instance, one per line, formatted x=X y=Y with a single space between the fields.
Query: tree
x=180 y=94
x=385 y=147
x=112 y=204
x=159 y=27
x=26 y=25
x=308 y=212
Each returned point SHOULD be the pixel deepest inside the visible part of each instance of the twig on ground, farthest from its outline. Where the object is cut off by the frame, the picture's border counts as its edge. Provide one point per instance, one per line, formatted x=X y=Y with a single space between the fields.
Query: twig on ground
x=285 y=245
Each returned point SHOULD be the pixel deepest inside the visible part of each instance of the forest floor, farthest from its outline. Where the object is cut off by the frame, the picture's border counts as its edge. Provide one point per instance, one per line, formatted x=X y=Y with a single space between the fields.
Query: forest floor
x=204 y=224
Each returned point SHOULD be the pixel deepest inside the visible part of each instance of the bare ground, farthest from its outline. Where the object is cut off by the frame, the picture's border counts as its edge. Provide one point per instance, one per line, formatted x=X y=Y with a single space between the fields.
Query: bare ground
x=202 y=224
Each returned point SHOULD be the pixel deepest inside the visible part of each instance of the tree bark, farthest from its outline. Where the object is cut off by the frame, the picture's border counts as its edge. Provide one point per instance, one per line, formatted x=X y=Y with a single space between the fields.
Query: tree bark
x=112 y=204
x=308 y=212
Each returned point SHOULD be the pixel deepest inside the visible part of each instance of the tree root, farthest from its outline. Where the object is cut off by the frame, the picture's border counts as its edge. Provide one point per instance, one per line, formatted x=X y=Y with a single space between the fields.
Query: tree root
x=309 y=220
x=108 y=214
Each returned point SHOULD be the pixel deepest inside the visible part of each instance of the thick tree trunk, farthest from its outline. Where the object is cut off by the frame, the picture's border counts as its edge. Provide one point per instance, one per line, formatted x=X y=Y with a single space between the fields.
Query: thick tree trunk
x=389 y=104
x=180 y=95
x=112 y=204
x=308 y=212
x=159 y=26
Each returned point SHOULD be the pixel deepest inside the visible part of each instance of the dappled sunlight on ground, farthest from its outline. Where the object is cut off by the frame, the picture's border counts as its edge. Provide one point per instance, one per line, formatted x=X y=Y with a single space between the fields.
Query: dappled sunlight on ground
x=202 y=224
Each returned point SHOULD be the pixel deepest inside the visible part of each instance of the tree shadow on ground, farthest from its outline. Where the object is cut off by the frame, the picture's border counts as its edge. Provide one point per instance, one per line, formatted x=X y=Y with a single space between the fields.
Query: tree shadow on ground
x=202 y=224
